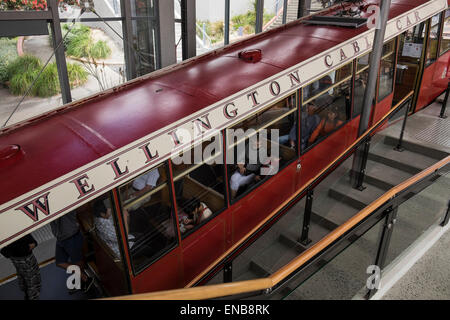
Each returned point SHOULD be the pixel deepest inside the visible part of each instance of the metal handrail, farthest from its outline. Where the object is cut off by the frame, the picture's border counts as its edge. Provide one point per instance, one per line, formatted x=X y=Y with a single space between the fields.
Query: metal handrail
x=241 y=287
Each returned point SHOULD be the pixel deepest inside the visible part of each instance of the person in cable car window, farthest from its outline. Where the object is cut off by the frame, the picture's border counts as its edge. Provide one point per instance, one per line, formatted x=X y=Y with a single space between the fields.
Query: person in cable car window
x=248 y=168
x=104 y=225
x=309 y=122
x=196 y=212
x=144 y=183
x=326 y=126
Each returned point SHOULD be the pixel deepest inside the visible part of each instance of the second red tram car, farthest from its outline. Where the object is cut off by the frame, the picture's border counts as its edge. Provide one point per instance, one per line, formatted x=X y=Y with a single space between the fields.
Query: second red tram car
x=118 y=152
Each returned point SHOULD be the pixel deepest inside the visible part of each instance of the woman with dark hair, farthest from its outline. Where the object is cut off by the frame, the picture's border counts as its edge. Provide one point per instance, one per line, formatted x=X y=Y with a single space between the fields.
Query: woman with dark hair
x=196 y=211
x=327 y=125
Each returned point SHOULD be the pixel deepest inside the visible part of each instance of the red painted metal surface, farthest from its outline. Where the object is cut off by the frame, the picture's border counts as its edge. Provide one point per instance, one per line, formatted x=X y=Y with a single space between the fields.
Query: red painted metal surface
x=434 y=81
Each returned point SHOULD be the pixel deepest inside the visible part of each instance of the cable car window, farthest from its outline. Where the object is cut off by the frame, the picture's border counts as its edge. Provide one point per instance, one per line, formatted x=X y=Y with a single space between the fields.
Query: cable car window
x=386 y=79
x=324 y=114
x=445 y=41
x=359 y=91
x=314 y=89
x=362 y=63
x=261 y=145
x=148 y=217
x=434 y=39
x=199 y=184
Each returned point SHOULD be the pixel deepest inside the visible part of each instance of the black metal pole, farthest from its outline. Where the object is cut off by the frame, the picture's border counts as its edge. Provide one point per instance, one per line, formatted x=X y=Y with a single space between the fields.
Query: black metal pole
x=259 y=15
x=447 y=216
x=399 y=146
x=385 y=240
x=227 y=22
x=362 y=169
x=60 y=56
x=228 y=272
x=304 y=238
x=444 y=104
x=285 y=8
x=370 y=91
x=128 y=40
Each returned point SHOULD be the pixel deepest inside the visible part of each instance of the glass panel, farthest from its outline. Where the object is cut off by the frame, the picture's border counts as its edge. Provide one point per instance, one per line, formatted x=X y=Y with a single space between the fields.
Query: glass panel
x=148 y=217
x=415 y=216
x=343 y=278
x=199 y=185
x=388 y=48
x=363 y=62
x=323 y=115
x=386 y=80
x=445 y=42
x=273 y=14
x=95 y=53
x=18 y=73
x=209 y=25
x=360 y=88
x=278 y=120
x=314 y=89
x=242 y=19
x=412 y=43
x=142 y=8
x=24 y=5
x=434 y=39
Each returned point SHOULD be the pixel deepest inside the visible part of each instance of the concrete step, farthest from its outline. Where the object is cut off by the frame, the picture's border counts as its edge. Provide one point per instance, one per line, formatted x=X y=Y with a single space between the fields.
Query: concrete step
x=332 y=210
x=407 y=161
x=384 y=176
x=417 y=148
x=344 y=192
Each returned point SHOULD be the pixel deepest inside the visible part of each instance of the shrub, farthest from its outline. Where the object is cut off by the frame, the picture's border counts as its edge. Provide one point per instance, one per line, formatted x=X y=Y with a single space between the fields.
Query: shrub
x=100 y=50
x=8 y=53
x=24 y=70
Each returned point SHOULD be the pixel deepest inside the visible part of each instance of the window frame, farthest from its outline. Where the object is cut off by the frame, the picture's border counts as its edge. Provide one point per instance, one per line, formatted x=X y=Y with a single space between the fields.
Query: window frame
x=439 y=38
x=180 y=176
x=350 y=79
x=441 y=33
x=134 y=270
x=394 y=68
x=297 y=94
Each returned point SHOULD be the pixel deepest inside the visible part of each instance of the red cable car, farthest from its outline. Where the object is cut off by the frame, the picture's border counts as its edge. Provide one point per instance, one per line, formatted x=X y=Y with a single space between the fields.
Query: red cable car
x=157 y=153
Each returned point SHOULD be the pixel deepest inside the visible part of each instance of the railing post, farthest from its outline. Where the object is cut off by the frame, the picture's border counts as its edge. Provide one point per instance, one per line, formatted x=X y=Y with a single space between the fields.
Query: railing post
x=304 y=239
x=385 y=240
x=363 y=154
x=447 y=216
x=399 y=146
x=228 y=272
x=444 y=104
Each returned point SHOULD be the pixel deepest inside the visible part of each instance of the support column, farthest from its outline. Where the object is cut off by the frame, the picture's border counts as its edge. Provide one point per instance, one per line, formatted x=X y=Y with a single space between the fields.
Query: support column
x=60 y=56
x=303 y=8
x=304 y=239
x=127 y=31
x=385 y=240
x=166 y=33
x=228 y=272
x=445 y=103
x=259 y=15
x=227 y=23
x=188 y=31
x=369 y=94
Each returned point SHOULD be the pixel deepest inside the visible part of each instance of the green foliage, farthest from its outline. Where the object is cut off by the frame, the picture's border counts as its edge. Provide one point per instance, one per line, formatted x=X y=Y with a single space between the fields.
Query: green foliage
x=215 y=30
x=100 y=50
x=24 y=70
x=79 y=43
x=8 y=53
x=77 y=75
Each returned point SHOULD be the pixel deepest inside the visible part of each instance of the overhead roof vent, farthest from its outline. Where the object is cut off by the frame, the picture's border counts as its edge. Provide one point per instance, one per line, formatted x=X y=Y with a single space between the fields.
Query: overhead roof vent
x=349 y=22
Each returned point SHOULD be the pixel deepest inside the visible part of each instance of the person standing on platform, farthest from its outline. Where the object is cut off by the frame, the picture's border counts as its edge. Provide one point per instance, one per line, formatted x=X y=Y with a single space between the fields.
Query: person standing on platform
x=21 y=255
x=69 y=246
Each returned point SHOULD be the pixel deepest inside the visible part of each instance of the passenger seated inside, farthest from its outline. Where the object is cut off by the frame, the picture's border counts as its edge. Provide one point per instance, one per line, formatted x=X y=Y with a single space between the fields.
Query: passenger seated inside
x=310 y=120
x=142 y=185
x=104 y=225
x=327 y=125
x=195 y=213
x=291 y=138
x=250 y=160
